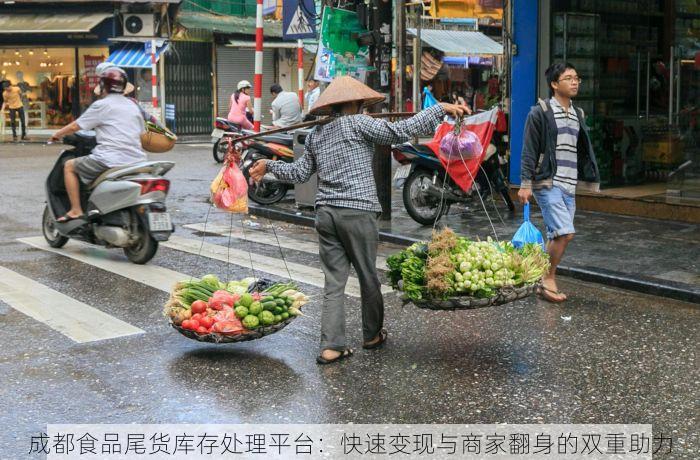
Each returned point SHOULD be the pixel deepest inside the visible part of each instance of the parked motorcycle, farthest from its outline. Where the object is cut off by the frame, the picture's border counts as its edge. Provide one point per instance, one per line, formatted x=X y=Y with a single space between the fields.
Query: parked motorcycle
x=221 y=126
x=272 y=147
x=428 y=192
x=124 y=207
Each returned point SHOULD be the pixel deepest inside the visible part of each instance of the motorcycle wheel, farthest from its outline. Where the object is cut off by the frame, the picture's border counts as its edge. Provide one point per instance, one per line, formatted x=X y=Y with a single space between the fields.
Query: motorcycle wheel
x=219 y=150
x=144 y=249
x=423 y=209
x=51 y=235
x=262 y=193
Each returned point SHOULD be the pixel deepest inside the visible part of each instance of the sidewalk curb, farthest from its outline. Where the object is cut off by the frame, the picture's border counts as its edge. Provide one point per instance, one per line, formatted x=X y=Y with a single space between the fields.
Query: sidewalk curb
x=643 y=284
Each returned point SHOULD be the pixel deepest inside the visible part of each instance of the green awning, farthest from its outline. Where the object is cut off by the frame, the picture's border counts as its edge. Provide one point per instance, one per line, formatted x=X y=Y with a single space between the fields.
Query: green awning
x=50 y=23
x=459 y=43
x=228 y=24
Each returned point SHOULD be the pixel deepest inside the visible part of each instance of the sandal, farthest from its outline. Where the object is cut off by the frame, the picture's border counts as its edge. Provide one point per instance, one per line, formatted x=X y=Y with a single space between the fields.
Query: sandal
x=66 y=218
x=548 y=295
x=343 y=354
x=380 y=339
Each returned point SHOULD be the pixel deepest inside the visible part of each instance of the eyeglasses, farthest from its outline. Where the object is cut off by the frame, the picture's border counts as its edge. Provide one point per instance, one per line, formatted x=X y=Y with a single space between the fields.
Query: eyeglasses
x=572 y=79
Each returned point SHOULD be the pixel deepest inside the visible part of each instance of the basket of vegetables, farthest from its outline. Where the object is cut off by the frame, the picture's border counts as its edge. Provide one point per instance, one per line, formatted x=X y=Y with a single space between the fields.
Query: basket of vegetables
x=156 y=139
x=455 y=273
x=208 y=310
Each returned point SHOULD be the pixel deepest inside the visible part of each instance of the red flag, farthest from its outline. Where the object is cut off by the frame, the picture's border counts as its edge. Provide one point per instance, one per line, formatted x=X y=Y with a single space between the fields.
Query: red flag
x=481 y=124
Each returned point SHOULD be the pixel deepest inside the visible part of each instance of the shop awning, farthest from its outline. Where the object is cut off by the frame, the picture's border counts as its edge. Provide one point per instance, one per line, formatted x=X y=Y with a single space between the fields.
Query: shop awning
x=228 y=24
x=459 y=43
x=133 y=55
x=47 y=24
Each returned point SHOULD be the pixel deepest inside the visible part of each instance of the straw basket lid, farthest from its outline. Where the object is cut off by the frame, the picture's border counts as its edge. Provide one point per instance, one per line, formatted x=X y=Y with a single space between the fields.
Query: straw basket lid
x=342 y=90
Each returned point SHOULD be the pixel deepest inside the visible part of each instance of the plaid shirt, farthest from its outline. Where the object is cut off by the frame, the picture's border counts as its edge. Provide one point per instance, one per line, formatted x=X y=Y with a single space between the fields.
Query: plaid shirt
x=341 y=152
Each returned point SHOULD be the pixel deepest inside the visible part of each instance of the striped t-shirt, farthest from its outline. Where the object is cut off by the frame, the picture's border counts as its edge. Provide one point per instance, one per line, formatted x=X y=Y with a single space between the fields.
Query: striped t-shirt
x=566 y=153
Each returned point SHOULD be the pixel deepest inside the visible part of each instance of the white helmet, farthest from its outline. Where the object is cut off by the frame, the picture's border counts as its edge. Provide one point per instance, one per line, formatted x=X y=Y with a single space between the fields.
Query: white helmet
x=244 y=84
x=101 y=67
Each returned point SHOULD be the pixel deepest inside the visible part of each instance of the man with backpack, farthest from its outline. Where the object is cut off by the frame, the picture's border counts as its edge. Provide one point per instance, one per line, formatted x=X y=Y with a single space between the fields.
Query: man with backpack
x=557 y=159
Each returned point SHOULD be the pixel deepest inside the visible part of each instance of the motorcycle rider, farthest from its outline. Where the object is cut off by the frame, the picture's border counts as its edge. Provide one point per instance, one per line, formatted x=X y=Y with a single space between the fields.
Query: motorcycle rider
x=118 y=124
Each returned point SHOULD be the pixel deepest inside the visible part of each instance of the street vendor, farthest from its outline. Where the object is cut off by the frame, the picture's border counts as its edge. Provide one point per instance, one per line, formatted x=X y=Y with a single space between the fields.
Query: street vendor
x=347 y=207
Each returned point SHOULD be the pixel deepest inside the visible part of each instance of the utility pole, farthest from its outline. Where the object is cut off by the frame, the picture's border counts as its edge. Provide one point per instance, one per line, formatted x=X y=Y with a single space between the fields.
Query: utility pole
x=400 y=35
x=417 y=47
x=380 y=26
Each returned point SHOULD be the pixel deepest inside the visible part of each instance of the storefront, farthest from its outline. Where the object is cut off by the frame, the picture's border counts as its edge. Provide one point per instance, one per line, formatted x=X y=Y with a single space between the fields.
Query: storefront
x=52 y=58
x=467 y=64
x=640 y=65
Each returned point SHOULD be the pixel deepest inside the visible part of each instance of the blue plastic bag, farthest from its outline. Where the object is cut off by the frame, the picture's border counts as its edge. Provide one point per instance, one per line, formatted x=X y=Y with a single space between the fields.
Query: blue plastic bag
x=527 y=233
x=428 y=98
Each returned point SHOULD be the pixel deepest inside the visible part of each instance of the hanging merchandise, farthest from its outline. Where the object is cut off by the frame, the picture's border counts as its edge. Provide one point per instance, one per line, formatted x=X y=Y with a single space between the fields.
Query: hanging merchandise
x=428 y=98
x=465 y=170
x=460 y=144
x=456 y=273
x=338 y=50
x=229 y=190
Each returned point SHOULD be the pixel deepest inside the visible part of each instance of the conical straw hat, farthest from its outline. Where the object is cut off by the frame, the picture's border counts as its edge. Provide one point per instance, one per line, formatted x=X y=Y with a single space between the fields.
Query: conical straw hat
x=345 y=89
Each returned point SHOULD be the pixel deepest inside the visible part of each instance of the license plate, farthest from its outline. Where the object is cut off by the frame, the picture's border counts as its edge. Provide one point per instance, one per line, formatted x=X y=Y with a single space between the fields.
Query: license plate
x=159 y=222
x=217 y=133
x=402 y=172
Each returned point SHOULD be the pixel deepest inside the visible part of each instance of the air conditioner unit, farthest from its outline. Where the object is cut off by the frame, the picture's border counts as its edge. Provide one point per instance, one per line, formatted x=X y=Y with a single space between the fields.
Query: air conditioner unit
x=139 y=25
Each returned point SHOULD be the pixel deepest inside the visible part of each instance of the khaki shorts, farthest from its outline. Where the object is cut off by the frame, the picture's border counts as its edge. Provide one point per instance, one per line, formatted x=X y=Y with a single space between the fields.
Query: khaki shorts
x=88 y=169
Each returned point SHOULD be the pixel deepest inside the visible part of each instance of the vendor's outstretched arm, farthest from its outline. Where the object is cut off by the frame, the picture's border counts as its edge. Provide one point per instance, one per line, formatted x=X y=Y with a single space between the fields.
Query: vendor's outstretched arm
x=297 y=172
x=384 y=132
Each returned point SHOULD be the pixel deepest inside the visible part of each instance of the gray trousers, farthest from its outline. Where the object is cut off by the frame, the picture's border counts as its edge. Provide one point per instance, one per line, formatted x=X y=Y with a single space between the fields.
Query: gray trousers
x=348 y=236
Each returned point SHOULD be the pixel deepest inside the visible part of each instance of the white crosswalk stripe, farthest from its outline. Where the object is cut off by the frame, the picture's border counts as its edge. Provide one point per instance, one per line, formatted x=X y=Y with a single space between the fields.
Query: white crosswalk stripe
x=112 y=261
x=272 y=265
x=76 y=320
x=163 y=278
x=256 y=236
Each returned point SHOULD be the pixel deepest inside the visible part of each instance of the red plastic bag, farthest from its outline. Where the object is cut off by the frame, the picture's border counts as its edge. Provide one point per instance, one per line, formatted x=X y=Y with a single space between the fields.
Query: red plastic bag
x=229 y=190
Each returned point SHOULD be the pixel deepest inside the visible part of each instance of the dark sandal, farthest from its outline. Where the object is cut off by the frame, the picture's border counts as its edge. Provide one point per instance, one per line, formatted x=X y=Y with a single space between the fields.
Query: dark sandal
x=66 y=218
x=383 y=334
x=343 y=354
x=546 y=294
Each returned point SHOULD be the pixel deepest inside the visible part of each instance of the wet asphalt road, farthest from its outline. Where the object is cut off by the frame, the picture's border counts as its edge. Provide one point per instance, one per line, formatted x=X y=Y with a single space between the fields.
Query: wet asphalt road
x=606 y=356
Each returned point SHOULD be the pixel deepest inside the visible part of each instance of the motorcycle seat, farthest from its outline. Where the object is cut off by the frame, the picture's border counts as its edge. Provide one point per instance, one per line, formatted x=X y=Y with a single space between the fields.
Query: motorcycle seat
x=230 y=124
x=282 y=139
x=134 y=168
x=416 y=149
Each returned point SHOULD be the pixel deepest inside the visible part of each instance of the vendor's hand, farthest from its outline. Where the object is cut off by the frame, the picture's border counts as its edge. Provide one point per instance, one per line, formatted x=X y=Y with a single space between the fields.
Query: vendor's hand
x=55 y=138
x=453 y=110
x=524 y=195
x=258 y=170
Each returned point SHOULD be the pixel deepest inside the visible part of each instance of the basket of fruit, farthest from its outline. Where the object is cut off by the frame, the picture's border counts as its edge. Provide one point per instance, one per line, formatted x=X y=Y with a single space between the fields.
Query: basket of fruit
x=456 y=273
x=208 y=310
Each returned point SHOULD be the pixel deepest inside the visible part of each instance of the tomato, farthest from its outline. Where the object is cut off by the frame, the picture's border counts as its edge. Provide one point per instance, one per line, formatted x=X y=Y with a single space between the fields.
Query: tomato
x=207 y=322
x=186 y=324
x=197 y=316
x=202 y=330
x=199 y=306
x=194 y=324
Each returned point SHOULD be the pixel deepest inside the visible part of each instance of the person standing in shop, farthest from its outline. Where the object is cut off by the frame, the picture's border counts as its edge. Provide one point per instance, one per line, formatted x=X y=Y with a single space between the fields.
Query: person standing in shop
x=557 y=158
x=12 y=99
x=347 y=207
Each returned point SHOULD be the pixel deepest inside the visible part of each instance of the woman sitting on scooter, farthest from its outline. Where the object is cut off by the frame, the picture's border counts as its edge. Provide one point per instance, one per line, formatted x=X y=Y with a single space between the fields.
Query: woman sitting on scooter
x=118 y=124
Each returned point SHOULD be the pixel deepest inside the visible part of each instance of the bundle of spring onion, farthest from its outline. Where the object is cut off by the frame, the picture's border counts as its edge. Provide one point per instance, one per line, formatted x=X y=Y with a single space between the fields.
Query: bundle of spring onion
x=154 y=128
